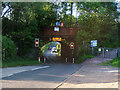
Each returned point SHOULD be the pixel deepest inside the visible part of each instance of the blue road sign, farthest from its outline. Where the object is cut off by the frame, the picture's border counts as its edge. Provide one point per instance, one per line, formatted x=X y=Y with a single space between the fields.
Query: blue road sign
x=57 y=23
x=93 y=43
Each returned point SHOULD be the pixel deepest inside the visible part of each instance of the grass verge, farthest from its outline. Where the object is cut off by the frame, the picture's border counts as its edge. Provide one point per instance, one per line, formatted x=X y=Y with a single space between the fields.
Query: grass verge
x=19 y=62
x=115 y=62
x=83 y=58
x=45 y=47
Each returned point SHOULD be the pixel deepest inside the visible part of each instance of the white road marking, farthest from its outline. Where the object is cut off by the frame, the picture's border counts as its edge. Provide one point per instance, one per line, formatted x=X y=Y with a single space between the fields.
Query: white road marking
x=10 y=75
x=24 y=71
x=40 y=67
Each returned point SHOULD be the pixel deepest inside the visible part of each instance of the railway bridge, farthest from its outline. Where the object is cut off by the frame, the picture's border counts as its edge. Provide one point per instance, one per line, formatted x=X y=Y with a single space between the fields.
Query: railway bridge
x=67 y=36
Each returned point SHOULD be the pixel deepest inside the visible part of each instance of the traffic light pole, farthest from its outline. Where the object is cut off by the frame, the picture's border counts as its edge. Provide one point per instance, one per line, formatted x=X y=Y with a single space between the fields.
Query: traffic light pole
x=73 y=55
x=72 y=47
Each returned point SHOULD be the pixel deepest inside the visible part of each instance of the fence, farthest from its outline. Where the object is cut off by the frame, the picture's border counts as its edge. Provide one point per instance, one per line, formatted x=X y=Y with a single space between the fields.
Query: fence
x=106 y=52
x=118 y=51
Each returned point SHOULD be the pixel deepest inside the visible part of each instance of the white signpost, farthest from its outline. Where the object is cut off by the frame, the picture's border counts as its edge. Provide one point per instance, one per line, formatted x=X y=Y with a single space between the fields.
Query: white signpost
x=93 y=44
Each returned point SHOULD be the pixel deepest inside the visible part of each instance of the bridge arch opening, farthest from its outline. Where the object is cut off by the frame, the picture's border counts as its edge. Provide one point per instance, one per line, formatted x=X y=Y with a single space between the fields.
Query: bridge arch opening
x=65 y=36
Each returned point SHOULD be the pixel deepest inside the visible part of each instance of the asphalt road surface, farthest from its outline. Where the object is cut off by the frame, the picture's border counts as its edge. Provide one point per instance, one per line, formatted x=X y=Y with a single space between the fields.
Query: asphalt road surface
x=52 y=57
x=50 y=77
x=48 y=53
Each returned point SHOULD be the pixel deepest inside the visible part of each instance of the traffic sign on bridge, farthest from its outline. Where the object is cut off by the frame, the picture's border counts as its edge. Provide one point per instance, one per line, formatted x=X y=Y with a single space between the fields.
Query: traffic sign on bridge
x=57 y=39
x=56 y=28
x=57 y=23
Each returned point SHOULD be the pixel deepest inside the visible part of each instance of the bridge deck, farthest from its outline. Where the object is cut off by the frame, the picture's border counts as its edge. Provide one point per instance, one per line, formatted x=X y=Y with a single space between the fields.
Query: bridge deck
x=63 y=32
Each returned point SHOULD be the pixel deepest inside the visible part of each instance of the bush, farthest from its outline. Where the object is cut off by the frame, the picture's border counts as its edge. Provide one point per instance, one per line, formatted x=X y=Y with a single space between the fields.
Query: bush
x=18 y=61
x=115 y=62
x=84 y=57
x=8 y=47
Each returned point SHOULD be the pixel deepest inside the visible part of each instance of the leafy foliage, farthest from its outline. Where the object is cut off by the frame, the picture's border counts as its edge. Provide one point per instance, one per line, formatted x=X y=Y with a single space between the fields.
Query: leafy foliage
x=17 y=61
x=8 y=47
x=115 y=62
x=22 y=22
x=97 y=23
x=83 y=58
x=25 y=22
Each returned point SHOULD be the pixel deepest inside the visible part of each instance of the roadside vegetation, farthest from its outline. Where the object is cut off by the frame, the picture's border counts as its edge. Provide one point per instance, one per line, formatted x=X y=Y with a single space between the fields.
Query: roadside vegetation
x=99 y=26
x=10 y=58
x=17 y=61
x=115 y=62
x=83 y=58
x=8 y=48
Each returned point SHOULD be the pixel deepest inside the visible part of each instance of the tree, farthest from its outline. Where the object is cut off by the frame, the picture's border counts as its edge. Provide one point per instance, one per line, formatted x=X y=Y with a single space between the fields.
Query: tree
x=23 y=21
x=97 y=23
x=8 y=48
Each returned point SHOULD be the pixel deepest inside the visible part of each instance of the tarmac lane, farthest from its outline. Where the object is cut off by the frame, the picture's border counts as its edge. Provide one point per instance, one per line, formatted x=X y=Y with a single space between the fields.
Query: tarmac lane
x=49 y=77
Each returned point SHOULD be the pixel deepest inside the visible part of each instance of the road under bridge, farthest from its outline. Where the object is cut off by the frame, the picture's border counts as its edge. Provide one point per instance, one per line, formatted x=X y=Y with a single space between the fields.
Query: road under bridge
x=67 y=36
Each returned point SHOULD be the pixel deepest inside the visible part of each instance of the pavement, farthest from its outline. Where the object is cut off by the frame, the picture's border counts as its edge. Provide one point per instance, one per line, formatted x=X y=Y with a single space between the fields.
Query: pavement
x=92 y=75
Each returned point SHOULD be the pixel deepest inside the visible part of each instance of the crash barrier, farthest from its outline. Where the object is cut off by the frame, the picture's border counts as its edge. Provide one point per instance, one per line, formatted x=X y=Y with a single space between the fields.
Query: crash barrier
x=106 y=52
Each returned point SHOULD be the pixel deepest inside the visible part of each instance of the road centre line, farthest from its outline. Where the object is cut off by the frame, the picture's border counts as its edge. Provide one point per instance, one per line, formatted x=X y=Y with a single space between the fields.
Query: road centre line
x=40 y=67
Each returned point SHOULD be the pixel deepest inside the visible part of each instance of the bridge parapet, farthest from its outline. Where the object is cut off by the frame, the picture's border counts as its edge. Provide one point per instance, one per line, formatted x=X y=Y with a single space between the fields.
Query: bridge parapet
x=63 y=32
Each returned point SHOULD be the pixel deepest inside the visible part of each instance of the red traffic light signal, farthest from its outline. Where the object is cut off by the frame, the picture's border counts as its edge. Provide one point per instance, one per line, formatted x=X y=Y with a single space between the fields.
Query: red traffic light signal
x=62 y=24
x=36 y=42
x=72 y=45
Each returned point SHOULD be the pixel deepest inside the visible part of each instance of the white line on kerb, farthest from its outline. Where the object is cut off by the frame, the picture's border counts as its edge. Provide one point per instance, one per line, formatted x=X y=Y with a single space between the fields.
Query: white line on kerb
x=40 y=67
x=10 y=75
x=25 y=70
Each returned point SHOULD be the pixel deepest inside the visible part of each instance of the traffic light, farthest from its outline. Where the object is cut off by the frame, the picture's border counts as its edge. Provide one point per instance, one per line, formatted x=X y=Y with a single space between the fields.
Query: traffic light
x=62 y=24
x=36 y=42
x=72 y=45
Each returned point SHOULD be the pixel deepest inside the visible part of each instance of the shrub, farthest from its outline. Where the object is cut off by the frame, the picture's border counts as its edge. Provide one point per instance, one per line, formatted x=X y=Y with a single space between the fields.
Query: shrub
x=115 y=62
x=84 y=57
x=8 y=47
